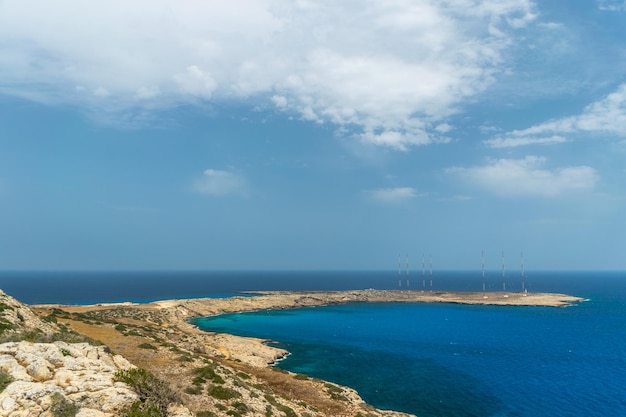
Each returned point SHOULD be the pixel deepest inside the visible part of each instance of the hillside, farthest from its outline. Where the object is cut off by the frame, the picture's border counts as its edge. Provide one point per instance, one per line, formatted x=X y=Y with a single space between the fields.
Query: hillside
x=53 y=363
x=155 y=363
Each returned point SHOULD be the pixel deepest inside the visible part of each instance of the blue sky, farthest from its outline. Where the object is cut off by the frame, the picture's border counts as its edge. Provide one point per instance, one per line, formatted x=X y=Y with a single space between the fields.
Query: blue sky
x=312 y=134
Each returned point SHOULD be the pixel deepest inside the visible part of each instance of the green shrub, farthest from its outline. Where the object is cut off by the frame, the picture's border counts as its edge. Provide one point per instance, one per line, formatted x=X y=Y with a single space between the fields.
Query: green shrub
x=152 y=391
x=5 y=380
x=241 y=407
x=147 y=346
x=223 y=393
x=206 y=414
x=5 y=325
x=4 y=306
x=193 y=390
x=288 y=411
x=207 y=373
x=140 y=409
x=62 y=407
x=34 y=336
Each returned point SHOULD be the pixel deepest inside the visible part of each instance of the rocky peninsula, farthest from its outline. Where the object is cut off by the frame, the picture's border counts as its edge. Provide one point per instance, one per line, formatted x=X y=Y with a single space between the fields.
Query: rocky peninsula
x=208 y=374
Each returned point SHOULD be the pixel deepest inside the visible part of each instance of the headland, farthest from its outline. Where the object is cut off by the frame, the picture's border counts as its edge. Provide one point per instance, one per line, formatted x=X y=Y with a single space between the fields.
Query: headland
x=160 y=337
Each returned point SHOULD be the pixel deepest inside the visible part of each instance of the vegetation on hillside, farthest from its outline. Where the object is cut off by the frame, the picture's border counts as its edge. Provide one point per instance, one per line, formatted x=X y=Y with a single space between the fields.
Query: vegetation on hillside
x=154 y=393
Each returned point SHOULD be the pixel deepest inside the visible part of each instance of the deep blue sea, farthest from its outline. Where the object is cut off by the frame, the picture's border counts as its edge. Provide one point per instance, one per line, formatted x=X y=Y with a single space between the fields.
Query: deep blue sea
x=426 y=359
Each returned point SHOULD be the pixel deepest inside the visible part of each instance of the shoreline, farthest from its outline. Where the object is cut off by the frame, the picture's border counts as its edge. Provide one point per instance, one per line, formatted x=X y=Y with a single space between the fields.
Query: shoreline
x=180 y=313
x=296 y=299
x=171 y=321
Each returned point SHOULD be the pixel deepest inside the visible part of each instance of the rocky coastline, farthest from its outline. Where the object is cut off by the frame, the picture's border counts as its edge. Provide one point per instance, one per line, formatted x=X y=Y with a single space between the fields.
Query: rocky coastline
x=212 y=374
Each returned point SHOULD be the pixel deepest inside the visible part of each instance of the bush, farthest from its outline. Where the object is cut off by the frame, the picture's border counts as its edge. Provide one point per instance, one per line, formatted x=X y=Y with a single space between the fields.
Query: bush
x=152 y=391
x=206 y=414
x=5 y=325
x=4 y=306
x=62 y=407
x=147 y=346
x=5 y=380
x=223 y=393
x=241 y=408
x=207 y=373
x=288 y=411
x=140 y=409
x=193 y=390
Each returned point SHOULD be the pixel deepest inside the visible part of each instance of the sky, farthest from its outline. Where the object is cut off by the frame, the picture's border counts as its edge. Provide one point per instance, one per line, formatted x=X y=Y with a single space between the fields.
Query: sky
x=312 y=134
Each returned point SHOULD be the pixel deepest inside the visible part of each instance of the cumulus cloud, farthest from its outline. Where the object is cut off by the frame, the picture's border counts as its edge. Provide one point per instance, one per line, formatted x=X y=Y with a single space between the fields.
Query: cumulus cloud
x=218 y=183
x=527 y=177
x=390 y=72
x=392 y=195
x=606 y=116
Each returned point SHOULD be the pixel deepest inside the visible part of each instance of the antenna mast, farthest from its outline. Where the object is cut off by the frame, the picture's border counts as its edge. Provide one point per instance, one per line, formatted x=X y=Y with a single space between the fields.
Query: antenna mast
x=483 y=262
x=430 y=261
x=523 y=284
x=423 y=274
x=407 y=271
x=399 y=273
x=503 y=276
x=482 y=253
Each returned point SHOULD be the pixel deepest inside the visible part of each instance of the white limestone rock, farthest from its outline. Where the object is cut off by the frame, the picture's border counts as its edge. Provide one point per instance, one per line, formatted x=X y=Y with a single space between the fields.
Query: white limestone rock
x=83 y=374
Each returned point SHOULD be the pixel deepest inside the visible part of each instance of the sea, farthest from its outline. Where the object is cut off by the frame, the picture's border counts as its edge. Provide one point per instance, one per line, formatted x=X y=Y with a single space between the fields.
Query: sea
x=424 y=359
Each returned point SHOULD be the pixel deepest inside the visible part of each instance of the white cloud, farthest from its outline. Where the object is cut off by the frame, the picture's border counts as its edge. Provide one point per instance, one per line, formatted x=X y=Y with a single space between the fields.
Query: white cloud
x=606 y=117
x=528 y=177
x=444 y=128
x=612 y=5
x=523 y=141
x=218 y=183
x=392 y=195
x=195 y=82
x=279 y=101
x=390 y=71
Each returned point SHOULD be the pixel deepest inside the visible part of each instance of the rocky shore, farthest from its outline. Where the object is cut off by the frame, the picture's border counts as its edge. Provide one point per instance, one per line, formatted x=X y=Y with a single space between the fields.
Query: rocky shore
x=211 y=374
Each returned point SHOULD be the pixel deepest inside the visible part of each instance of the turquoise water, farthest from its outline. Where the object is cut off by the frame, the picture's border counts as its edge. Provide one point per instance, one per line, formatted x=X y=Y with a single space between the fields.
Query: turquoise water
x=430 y=360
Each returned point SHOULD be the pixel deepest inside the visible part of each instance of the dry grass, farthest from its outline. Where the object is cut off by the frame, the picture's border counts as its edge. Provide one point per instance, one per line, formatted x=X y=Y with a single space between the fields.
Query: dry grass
x=181 y=349
x=310 y=391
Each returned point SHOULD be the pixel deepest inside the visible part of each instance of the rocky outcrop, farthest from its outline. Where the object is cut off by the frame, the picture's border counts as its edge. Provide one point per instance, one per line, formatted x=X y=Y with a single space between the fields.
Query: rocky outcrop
x=59 y=378
x=45 y=373
x=16 y=318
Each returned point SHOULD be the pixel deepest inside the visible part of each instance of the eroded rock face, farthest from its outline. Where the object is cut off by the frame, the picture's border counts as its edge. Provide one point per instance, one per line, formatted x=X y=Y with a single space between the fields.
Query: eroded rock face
x=81 y=373
x=15 y=317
